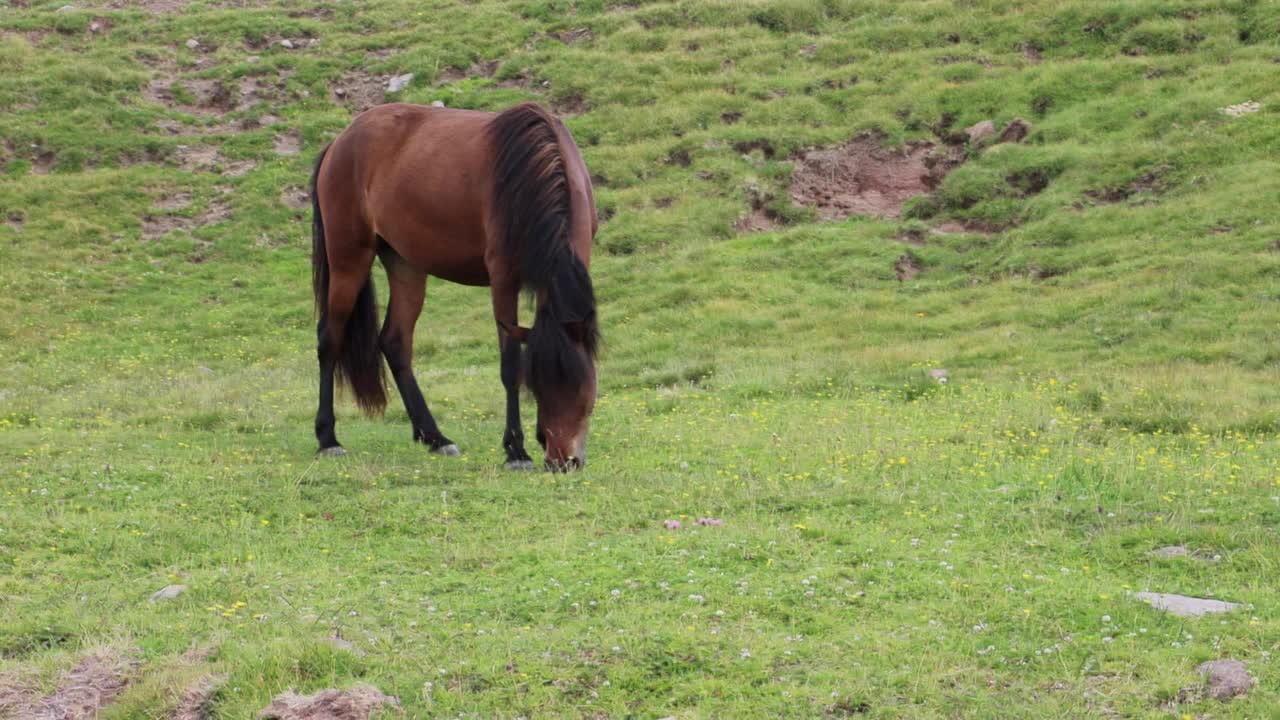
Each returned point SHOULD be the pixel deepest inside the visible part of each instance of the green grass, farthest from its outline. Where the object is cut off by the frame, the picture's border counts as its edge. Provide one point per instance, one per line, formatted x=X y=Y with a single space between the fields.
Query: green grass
x=891 y=546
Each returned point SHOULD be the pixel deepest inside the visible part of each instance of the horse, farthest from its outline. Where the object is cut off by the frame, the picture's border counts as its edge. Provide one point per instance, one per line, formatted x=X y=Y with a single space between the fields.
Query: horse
x=476 y=198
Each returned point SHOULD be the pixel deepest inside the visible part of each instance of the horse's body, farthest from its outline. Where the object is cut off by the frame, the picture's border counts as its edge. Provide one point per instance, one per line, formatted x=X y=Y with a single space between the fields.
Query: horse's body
x=476 y=198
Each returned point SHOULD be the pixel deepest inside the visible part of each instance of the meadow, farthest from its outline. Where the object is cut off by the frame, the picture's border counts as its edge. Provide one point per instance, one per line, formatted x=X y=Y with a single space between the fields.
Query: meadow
x=931 y=454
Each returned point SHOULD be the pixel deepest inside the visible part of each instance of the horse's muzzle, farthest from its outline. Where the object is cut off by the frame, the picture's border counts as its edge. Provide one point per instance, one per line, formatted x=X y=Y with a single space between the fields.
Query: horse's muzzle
x=568 y=464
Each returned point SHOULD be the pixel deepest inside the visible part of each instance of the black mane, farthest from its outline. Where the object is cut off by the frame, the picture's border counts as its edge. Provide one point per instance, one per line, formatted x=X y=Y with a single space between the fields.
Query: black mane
x=533 y=209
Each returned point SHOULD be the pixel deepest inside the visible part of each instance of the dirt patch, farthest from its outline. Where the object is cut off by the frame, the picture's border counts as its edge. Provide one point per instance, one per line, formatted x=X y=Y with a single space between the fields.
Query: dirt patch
x=16 y=220
x=157 y=226
x=205 y=158
x=43 y=162
x=289 y=143
x=197 y=699
x=153 y=6
x=354 y=704
x=570 y=104
x=862 y=177
x=485 y=69
x=173 y=202
x=295 y=198
x=360 y=91
x=82 y=691
x=1149 y=182
x=577 y=35
x=746 y=147
x=730 y=117
x=906 y=267
x=762 y=217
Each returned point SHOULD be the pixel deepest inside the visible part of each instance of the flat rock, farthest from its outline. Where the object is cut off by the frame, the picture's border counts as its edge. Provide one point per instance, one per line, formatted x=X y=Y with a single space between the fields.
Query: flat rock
x=168 y=592
x=984 y=129
x=1184 y=606
x=399 y=82
x=1171 y=551
x=1226 y=678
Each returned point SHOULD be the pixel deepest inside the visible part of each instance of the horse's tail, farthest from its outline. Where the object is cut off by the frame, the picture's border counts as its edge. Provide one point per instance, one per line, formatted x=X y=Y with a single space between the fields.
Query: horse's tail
x=534 y=213
x=359 y=362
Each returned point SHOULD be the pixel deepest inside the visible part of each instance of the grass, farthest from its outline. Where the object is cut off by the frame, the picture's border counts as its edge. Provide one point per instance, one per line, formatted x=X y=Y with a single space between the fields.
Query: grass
x=892 y=546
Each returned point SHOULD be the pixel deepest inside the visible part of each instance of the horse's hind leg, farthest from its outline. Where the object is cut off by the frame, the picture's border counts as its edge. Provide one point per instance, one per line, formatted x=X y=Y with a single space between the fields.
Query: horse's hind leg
x=408 y=289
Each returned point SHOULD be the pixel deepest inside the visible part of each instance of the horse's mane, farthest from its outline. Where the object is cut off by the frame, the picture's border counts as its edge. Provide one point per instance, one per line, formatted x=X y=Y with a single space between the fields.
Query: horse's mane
x=533 y=212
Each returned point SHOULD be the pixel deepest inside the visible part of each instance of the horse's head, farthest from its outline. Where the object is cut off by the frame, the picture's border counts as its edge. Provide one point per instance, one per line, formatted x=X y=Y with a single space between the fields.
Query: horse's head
x=561 y=374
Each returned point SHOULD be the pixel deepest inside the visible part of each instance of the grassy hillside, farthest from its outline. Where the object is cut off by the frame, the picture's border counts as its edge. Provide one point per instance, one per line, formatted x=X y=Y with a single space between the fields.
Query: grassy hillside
x=1104 y=294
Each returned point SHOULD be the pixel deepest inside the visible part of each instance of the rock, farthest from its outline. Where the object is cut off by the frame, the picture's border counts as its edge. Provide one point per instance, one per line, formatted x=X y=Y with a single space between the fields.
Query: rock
x=1172 y=551
x=66 y=8
x=399 y=82
x=437 y=103
x=1015 y=131
x=95 y=27
x=204 y=370
x=340 y=92
x=287 y=44
x=1184 y=606
x=168 y=592
x=253 y=59
x=1226 y=678
x=192 y=44
x=984 y=129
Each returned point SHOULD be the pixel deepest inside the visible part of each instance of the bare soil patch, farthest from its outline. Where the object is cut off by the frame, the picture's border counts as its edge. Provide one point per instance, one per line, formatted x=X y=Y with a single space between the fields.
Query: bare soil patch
x=295 y=198
x=762 y=217
x=82 y=691
x=360 y=91
x=289 y=143
x=570 y=104
x=906 y=267
x=1151 y=182
x=485 y=69
x=157 y=226
x=197 y=699
x=354 y=704
x=153 y=6
x=862 y=177
x=205 y=158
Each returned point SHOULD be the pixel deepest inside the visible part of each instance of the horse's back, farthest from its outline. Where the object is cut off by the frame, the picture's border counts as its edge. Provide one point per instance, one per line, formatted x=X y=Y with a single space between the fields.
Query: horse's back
x=418 y=177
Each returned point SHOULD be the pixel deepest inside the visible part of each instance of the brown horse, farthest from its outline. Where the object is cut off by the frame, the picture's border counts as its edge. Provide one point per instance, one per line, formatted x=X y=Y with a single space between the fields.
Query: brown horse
x=475 y=198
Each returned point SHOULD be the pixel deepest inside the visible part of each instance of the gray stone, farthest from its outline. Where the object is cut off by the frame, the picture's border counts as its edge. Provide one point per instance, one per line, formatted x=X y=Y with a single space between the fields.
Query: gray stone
x=1172 y=551
x=399 y=82
x=1184 y=606
x=1226 y=678
x=437 y=103
x=168 y=592
x=287 y=44
x=982 y=130
x=192 y=44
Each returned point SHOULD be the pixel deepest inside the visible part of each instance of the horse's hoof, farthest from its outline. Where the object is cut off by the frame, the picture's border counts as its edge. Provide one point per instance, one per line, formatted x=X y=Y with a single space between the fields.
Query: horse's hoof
x=334 y=451
x=519 y=465
x=450 y=450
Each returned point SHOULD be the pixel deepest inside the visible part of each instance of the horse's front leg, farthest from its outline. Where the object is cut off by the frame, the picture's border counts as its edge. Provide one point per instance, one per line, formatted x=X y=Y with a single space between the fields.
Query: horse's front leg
x=510 y=338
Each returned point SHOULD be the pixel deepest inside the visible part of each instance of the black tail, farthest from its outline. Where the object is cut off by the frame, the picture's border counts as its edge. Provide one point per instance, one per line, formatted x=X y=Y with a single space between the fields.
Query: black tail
x=532 y=204
x=359 y=362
